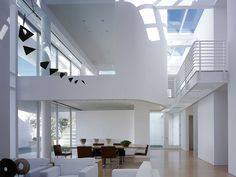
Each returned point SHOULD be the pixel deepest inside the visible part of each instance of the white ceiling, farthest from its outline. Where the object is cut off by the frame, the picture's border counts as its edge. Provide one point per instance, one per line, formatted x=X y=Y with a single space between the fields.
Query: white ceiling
x=91 y=23
x=90 y=105
x=92 y=26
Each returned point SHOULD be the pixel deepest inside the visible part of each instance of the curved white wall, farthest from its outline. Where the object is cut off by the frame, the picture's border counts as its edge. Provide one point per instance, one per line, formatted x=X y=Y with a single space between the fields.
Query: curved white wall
x=141 y=68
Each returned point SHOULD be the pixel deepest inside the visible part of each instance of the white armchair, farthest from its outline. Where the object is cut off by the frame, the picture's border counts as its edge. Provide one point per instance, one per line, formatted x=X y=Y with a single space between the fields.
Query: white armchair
x=37 y=165
x=83 y=167
x=145 y=170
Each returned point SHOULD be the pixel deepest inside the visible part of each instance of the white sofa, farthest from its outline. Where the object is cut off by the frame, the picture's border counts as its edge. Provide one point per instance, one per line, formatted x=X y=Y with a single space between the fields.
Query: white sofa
x=82 y=167
x=37 y=165
x=145 y=170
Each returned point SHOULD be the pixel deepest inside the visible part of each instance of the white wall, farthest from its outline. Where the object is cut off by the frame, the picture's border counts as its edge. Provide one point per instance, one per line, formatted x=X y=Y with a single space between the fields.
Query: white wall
x=221 y=126
x=140 y=64
x=184 y=124
x=231 y=37
x=212 y=25
x=205 y=27
x=220 y=23
x=206 y=129
x=212 y=128
x=117 y=125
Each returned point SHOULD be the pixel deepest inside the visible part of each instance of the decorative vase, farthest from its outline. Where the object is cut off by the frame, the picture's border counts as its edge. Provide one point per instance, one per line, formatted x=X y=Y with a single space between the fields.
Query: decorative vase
x=96 y=140
x=108 y=140
x=82 y=141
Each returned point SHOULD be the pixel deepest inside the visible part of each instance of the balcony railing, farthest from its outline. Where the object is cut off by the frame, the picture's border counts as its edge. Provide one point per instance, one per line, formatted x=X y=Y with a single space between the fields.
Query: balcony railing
x=203 y=56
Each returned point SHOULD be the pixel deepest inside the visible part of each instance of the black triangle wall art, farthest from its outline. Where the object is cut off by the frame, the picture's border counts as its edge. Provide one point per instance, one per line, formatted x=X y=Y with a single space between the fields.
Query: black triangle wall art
x=76 y=81
x=28 y=49
x=24 y=33
x=62 y=74
x=70 y=79
x=52 y=71
x=83 y=81
x=44 y=64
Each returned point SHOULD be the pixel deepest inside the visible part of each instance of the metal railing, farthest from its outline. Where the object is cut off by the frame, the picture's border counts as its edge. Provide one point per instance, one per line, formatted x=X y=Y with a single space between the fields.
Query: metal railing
x=202 y=56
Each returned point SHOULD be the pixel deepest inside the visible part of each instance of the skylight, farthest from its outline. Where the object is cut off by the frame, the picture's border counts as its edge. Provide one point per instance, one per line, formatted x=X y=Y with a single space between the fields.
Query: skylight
x=107 y=72
x=153 y=34
x=183 y=20
x=176 y=51
x=141 y=2
x=148 y=16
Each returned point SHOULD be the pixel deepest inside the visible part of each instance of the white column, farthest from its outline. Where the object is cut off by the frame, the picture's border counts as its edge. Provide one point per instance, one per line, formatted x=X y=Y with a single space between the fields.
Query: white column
x=45 y=40
x=46 y=128
x=231 y=38
x=141 y=124
x=5 y=79
x=8 y=78
x=195 y=130
x=45 y=105
x=166 y=130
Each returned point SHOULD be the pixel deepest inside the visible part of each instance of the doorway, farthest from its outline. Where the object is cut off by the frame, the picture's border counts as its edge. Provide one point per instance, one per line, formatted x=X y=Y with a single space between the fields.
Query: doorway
x=190 y=133
x=156 y=129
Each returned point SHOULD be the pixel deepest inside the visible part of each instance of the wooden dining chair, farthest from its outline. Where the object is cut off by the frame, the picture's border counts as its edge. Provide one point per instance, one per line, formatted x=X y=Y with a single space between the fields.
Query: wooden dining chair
x=121 y=152
x=108 y=152
x=58 y=151
x=97 y=149
x=84 y=151
x=143 y=153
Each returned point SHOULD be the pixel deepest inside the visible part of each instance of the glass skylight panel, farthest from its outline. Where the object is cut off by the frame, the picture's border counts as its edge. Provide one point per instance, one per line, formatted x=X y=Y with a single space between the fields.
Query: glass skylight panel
x=192 y=19
x=107 y=72
x=153 y=34
x=175 y=17
x=178 y=24
x=148 y=16
x=176 y=51
x=140 y=2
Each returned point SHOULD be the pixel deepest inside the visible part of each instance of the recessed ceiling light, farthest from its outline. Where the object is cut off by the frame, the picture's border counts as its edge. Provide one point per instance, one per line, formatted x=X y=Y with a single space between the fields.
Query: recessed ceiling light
x=107 y=31
x=83 y=20
x=89 y=31
x=102 y=20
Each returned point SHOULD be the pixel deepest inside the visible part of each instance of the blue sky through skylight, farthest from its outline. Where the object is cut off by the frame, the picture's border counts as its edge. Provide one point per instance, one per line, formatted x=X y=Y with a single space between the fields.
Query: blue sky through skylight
x=183 y=20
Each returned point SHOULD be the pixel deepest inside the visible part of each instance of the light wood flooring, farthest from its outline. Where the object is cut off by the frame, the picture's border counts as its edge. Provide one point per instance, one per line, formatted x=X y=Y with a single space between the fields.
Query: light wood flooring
x=173 y=163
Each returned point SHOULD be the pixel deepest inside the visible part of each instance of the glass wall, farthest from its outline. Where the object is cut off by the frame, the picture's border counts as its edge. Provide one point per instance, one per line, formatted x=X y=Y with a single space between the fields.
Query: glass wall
x=27 y=64
x=28 y=129
x=156 y=129
x=64 y=135
x=63 y=126
x=174 y=125
x=66 y=61
x=61 y=57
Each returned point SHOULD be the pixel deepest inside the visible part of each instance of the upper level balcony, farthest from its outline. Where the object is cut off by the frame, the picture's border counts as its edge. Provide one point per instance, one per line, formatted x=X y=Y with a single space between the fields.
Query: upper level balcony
x=203 y=70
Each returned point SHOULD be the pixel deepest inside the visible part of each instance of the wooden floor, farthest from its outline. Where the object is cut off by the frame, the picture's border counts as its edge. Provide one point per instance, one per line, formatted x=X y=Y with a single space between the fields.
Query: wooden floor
x=174 y=163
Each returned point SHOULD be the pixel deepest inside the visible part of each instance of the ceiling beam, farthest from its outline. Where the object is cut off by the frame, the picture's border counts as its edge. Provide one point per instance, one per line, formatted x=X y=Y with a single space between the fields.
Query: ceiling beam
x=183 y=20
x=79 y=1
x=184 y=4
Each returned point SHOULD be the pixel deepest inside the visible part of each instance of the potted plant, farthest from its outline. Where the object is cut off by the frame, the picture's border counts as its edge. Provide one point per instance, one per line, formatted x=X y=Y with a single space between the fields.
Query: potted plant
x=125 y=143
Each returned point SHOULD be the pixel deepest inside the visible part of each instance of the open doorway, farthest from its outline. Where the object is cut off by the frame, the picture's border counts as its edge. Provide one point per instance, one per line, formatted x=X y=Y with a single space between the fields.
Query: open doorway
x=156 y=129
x=190 y=133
